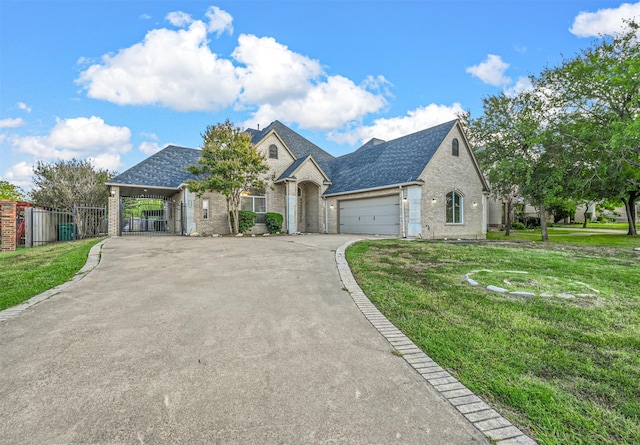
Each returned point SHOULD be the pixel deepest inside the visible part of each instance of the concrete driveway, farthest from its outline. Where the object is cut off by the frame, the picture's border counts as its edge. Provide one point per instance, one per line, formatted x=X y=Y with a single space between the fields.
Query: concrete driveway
x=212 y=340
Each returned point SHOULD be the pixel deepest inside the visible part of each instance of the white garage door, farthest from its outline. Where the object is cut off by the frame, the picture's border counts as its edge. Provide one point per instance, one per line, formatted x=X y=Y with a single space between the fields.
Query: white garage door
x=373 y=216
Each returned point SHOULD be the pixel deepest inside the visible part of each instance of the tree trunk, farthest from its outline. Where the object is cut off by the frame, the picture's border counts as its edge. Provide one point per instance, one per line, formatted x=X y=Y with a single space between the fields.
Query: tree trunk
x=630 y=207
x=230 y=218
x=543 y=223
x=507 y=221
x=584 y=224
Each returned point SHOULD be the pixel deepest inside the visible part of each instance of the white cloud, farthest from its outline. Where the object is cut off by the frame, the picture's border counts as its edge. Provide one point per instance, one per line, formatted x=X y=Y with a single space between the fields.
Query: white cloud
x=108 y=161
x=491 y=71
x=79 y=138
x=395 y=127
x=522 y=84
x=325 y=106
x=179 y=19
x=219 y=21
x=177 y=69
x=273 y=73
x=24 y=107
x=604 y=21
x=20 y=174
x=173 y=68
x=11 y=123
x=149 y=148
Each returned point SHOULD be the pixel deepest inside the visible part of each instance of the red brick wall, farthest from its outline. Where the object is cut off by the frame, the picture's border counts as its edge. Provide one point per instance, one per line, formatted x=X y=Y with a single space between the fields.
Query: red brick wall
x=8 y=214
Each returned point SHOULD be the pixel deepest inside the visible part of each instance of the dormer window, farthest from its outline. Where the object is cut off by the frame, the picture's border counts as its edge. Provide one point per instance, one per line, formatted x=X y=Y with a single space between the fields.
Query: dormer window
x=273 y=151
x=455 y=148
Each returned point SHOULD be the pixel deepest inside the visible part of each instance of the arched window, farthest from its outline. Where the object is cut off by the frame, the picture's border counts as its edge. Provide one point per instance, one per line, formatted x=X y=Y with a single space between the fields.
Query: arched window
x=273 y=151
x=454 y=209
x=455 y=147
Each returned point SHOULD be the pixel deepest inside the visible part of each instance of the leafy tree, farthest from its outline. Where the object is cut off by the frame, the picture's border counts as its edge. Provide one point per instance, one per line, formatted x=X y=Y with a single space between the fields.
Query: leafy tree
x=229 y=164
x=63 y=184
x=562 y=208
x=10 y=192
x=599 y=92
x=501 y=135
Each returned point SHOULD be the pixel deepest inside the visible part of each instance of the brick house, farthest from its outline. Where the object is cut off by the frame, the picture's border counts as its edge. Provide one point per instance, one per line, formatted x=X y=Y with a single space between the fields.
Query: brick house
x=426 y=184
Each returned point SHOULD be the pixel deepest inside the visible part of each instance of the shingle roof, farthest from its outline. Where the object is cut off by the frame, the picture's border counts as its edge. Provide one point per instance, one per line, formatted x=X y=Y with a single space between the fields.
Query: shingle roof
x=375 y=164
x=165 y=169
x=289 y=171
x=378 y=164
x=299 y=145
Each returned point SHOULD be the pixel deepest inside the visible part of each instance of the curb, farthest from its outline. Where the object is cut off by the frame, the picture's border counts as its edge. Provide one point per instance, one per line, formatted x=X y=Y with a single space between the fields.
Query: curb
x=92 y=261
x=488 y=421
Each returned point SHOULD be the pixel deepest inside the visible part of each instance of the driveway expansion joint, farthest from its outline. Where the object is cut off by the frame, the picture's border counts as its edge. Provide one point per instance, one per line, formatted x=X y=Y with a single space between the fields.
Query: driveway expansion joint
x=484 y=418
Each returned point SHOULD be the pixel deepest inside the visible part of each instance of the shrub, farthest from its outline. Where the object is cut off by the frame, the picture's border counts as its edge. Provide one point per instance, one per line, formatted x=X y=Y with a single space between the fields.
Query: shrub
x=273 y=222
x=518 y=226
x=246 y=220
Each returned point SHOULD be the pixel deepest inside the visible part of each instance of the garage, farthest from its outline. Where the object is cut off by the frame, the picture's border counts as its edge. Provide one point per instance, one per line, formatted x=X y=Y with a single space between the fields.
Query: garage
x=372 y=216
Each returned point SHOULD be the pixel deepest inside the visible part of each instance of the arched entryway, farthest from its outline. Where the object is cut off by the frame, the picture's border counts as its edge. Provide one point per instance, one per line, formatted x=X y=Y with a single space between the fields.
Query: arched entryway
x=309 y=212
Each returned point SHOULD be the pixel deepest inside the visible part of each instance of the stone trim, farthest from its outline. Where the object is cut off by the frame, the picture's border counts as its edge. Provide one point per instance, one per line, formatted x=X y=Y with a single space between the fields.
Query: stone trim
x=495 y=427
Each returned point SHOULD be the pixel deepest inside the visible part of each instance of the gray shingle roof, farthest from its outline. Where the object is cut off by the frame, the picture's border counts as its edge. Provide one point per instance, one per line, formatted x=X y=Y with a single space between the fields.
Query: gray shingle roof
x=289 y=171
x=164 y=169
x=299 y=146
x=378 y=164
x=375 y=164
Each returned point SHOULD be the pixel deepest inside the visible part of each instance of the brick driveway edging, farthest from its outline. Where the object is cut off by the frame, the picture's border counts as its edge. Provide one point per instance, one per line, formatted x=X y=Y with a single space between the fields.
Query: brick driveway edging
x=92 y=261
x=474 y=409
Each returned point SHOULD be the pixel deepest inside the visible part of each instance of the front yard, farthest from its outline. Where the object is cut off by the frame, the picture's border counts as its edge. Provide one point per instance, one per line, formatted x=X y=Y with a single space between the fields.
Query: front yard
x=563 y=365
x=28 y=272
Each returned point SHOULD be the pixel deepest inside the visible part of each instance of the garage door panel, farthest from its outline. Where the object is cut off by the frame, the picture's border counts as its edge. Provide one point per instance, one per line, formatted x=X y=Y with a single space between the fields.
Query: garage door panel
x=370 y=216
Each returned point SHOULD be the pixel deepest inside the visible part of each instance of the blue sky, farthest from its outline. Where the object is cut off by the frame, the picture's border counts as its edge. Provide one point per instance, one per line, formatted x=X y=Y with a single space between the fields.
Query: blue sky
x=115 y=81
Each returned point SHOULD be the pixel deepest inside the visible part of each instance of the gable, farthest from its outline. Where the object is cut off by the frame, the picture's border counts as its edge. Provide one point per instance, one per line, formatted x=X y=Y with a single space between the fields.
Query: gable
x=298 y=145
x=457 y=169
x=305 y=169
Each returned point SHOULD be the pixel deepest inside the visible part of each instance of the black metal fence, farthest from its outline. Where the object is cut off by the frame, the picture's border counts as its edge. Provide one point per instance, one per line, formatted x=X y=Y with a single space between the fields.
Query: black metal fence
x=149 y=216
x=45 y=226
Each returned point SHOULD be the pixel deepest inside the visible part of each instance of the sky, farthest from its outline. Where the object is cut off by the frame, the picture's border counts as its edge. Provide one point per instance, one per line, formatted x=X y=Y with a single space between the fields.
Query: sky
x=114 y=81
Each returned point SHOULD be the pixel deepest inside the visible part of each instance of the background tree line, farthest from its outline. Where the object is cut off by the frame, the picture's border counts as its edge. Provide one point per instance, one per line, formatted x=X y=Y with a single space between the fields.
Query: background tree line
x=573 y=136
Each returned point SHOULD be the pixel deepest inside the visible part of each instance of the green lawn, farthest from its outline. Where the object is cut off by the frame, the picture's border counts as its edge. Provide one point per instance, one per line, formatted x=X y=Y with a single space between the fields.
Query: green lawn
x=575 y=236
x=28 y=272
x=565 y=370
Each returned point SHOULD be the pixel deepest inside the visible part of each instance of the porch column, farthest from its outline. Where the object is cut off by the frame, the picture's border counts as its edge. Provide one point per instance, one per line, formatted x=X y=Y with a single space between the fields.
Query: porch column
x=414 y=198
x=114 y=211
x=292 y=206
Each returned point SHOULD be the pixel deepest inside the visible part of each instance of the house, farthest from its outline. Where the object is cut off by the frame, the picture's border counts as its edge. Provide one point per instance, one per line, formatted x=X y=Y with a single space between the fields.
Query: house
x=426 y=184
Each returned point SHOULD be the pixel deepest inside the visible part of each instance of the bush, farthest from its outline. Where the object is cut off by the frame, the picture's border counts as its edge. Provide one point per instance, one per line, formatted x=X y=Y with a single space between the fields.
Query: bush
x=517 y=226
x=246 y=220
x=273 y=222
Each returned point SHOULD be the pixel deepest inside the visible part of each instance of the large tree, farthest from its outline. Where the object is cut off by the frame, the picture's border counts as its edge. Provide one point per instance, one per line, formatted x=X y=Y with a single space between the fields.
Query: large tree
x=523 y=151
x=229 y=164
x=10 y=192
x=599 y=91
x=63 y=184
x=501 y=137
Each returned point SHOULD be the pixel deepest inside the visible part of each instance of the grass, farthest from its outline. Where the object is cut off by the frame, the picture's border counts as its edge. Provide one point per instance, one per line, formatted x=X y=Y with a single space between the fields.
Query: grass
x=578 y=236
x=28 y=272
x=563 y=370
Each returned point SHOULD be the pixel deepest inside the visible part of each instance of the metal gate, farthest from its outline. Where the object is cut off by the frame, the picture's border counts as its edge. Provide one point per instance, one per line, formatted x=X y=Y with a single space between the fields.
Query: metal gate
x=38 y=226
x=151 y=216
